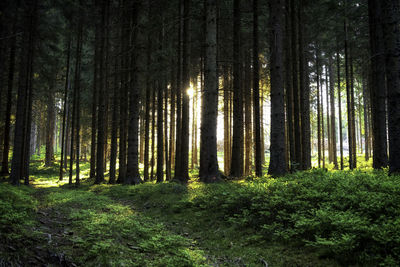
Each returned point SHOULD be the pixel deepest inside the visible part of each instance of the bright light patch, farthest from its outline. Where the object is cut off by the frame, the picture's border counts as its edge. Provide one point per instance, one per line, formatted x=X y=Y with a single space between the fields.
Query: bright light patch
x=190 y=91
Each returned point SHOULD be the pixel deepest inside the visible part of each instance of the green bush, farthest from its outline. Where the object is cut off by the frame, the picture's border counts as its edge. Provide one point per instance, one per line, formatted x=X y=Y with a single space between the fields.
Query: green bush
x=353 y=217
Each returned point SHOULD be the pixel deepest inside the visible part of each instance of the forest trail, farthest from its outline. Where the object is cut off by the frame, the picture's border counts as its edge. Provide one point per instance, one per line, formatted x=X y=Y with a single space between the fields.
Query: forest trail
x=55 y=227
x=59 y=240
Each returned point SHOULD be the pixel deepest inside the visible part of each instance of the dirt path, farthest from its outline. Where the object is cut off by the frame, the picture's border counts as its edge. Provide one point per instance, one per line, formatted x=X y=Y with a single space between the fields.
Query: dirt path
x=53 y=227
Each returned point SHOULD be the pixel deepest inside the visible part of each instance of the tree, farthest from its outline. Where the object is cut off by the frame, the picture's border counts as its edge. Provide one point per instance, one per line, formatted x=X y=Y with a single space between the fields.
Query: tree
x=277 y=165
x=66 y=87
x=391 y=37
x=101 y=101
x=236 y=169
x=19 y=161
x=181 y=173
x=208 y=134
x=10 y=85
x=132 y=171
x=256 y=94
x=378 y=85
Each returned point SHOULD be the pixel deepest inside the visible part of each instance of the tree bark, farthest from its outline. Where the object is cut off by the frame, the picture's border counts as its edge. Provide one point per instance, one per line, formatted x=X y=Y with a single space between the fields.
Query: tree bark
x=66 y=87
x=378 y=89
x=391 y=21
x=256 y=94
x=236 y=169
x=183 y=175
x=333 y=112
x=19 y=161
x=277 y=164
x=51 y=116
x=132 y=172
x=10 y=85
x=304 y=94
x=208 y=134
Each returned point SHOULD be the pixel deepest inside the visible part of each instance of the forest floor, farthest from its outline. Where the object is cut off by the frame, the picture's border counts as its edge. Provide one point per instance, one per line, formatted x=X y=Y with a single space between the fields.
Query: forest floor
x=293 y=221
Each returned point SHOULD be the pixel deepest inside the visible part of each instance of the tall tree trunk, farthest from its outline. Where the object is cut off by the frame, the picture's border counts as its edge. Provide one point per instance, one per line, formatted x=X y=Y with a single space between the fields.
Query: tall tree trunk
x=147 y=113
x=179 y=89
x=183 y=174
x=277 y=164
x=289 y=84
x=51 y=114
x=295 y=86
x=340 y=109
x=348 y=101
x=328 y=118
x=391 y=21
x=256 y=94
x=353 y=115
x=18 y=163
x=333 y=113
x=160 y=137
x=153 y=131
x=237 y=139
x=77 y=87
x=171 y=156
x=378 y=85
x=114 y=128
x=227 y=126
x=10 y=85
x=321 y=96
x=92 y=173
x=132 y=174
x=101 y=101
x=160 y=120
x=304 y=93
x=208 y=137
x=366 y=121
x=64 y=114
x=165 y=136
x=318 y=108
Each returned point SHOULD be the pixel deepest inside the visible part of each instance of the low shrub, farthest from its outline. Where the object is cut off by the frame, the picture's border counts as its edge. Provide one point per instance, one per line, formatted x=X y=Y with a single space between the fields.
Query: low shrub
x=353 y=217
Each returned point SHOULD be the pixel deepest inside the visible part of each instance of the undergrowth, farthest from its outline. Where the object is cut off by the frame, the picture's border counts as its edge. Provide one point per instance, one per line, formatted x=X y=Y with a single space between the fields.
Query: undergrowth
x=312 y=218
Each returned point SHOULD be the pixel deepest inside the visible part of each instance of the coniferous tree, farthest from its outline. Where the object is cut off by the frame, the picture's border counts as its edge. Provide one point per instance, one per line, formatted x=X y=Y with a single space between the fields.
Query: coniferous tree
x=277 y=164
x=208 y=135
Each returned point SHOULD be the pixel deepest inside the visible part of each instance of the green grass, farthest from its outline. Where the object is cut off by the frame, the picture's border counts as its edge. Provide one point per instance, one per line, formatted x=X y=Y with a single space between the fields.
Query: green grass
x=313 y=218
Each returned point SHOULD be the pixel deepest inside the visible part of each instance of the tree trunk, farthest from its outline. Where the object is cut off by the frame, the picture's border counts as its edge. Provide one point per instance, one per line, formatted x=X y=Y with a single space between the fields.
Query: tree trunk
x=182 y=175
x=391 y=20
x=340 y=109
x=277 y=164
x=92 y=173
x=66 y=87
x=153 y=131
x=77 y=87
x=147 y=113
x=101 y=101
x=328 y=118
x=114 y=128
x=378 y=89
x=10 y=85
x=51 y=114
x=296 y=102
x=19 y=150
x=237 y=138
x=353 y=116
x=132 y=174
x=333 y=112
x=318 y=108
x=305 y=94
x=227 y=125
x=256 y=94
x=179 y=89
x=289 y=85
x=208 y=134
